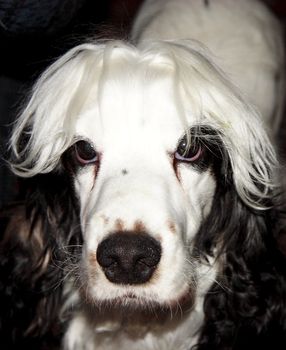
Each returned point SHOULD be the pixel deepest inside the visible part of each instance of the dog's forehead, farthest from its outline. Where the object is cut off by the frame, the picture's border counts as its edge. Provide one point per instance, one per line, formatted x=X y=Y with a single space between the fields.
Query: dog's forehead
x=134 y=110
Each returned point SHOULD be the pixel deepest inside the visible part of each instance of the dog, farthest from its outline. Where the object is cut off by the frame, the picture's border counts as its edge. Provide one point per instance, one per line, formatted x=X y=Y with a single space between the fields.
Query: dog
x=152 y=211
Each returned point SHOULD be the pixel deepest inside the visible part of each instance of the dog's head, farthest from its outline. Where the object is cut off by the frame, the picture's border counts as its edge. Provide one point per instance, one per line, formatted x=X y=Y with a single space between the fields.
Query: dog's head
x=148 y=135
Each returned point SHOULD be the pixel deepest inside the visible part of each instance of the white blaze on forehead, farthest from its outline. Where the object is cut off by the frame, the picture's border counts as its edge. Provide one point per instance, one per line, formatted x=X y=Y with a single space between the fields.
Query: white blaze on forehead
x=135 y=126
x=135 y=123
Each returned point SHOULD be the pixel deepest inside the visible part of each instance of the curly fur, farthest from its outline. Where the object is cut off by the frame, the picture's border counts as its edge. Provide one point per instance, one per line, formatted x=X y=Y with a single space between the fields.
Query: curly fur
x=248 y=311
x=33 y=261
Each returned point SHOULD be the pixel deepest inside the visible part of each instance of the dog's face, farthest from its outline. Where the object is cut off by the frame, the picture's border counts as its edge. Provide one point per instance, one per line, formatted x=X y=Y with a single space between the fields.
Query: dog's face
x=148 y=136
x=143 y=190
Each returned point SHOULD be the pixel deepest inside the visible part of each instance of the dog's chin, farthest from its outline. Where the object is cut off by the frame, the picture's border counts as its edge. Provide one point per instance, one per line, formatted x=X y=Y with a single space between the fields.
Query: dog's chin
x=130 y=303
x=136 y=315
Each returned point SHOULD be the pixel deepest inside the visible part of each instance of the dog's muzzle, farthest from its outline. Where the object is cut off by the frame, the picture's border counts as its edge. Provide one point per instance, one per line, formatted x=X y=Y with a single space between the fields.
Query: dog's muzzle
x=129 y=257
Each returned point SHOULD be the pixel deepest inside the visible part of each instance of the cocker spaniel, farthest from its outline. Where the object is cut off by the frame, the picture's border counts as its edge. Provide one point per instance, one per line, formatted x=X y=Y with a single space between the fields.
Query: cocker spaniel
x=151 y=217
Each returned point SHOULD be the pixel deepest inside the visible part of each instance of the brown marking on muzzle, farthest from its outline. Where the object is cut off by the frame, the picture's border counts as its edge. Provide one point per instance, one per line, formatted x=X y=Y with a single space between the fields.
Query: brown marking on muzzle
x=171 y=226
x=92 y=259
x=105 y=219
x=139 y=226
x=119 y=225
x=92 y=271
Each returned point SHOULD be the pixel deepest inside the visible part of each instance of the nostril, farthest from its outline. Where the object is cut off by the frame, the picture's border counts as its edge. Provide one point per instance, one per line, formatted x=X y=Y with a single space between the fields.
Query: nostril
x=111 y=269
x=129 y=257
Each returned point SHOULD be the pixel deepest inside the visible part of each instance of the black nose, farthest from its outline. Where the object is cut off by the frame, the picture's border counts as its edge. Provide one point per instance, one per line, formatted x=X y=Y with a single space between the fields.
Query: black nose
x=129 y=258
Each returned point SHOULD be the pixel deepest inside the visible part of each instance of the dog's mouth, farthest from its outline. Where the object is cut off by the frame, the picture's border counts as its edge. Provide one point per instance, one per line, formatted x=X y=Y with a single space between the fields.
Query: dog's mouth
x=136 y=314
x=131 y=302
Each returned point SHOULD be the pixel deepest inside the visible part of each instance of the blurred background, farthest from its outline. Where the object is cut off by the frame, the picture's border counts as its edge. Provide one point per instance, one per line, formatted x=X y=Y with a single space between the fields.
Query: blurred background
x=33 y=33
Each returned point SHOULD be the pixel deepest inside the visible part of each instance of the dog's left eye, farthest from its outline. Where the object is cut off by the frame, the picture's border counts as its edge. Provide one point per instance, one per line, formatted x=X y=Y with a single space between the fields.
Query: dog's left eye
x=188 y=152
x=85 y=153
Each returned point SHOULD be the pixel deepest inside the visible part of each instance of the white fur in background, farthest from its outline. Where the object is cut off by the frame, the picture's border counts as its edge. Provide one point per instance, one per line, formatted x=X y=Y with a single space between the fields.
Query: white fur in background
x=244 y=37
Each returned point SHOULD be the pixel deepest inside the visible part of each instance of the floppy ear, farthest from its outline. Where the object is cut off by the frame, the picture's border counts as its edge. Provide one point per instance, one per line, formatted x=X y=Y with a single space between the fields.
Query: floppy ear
x=203 y=91
x=246 y=308
x=46 y=124
x=34 y=250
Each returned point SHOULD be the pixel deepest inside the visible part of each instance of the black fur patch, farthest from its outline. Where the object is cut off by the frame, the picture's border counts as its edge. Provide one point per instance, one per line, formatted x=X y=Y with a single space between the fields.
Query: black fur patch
x=30 y=285
x=246 y=308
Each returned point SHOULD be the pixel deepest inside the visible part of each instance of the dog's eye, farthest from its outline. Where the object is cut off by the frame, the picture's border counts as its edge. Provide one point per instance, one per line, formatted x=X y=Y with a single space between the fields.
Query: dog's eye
x=188 y=152
x=85 y=153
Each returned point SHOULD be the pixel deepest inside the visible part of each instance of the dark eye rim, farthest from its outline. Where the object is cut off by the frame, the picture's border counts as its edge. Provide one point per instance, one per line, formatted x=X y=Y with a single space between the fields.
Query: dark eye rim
x=196 y=146
x=207 y=146
x=197 y=155
x=89 y=159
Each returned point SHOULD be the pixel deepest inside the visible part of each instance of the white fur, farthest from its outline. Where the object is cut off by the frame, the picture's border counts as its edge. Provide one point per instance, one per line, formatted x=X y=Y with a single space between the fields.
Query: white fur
x=134 y=104
x=244 y=36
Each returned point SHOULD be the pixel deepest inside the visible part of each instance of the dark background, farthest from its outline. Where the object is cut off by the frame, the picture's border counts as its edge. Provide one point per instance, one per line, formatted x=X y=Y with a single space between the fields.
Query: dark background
x=33 y=33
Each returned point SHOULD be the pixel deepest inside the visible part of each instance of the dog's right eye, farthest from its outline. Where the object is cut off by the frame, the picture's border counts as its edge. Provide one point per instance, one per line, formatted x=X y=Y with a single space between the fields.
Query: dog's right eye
x=85 y=153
